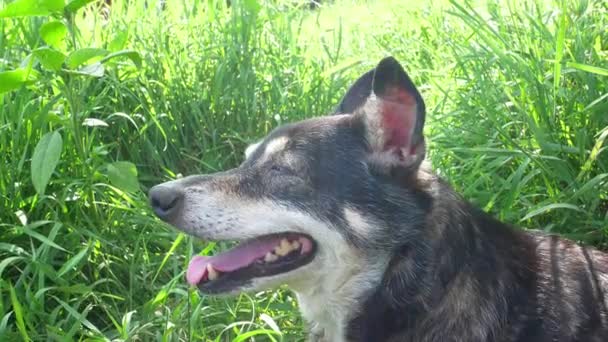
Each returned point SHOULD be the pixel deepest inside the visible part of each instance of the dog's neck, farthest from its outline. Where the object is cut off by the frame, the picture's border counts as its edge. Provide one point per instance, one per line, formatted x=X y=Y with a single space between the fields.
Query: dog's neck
x=435 y=285
x=329 y=305
x=405 y=293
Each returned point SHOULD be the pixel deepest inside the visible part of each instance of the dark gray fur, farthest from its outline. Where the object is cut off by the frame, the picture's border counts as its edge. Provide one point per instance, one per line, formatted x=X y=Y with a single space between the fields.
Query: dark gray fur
x=455 y=273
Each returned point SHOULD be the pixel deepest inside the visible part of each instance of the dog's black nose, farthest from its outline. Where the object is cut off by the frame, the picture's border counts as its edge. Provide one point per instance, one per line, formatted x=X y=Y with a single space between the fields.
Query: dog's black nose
x=165 y=200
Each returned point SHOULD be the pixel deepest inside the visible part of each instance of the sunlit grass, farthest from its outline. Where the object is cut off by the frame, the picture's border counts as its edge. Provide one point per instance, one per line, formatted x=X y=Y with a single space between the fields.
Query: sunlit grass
x=516 y=93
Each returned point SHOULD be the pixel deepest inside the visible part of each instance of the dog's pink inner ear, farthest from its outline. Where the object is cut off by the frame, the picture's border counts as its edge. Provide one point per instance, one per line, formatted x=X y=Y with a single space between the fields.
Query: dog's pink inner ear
x=398 y=119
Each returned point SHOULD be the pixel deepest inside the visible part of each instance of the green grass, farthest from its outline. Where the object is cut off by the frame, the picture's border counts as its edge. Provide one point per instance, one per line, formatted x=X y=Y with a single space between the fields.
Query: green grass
x=517 y=97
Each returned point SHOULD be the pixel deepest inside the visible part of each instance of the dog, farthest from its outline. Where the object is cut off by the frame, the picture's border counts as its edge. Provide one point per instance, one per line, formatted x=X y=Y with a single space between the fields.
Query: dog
x=344 y=210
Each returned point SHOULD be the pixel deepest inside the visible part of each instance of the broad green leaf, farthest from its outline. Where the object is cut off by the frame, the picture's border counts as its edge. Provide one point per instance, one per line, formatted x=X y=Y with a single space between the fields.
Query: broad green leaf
x=49 y=58
x=123 y=175
x=4 y=321
x=588 y=68
x=80 y=316
x=12 y=249
x=95 y=70
x=21 y=216
x=267 y=333
x=75 y=5
x=18 y=310
x=23 y=8
x=53 y=33
x=595 y=151
x=76 y=288
x=127 y=321
x=126 y=117
x=590 y=186
x=176 y=243
x=92 y=122
x=47 y=240
x=132 y=55
x=13 y=79
x=81 y=56
x=550 y=207
x=119 y=40
x=270 y=322
x=160 y=297
x=45 y=159
x=10 y=260
x=252 y=6
x=75 y=260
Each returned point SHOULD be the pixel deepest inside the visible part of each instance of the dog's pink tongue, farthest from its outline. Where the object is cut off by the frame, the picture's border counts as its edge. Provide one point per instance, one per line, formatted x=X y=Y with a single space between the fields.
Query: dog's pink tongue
x=197 y=269
x=241 y=256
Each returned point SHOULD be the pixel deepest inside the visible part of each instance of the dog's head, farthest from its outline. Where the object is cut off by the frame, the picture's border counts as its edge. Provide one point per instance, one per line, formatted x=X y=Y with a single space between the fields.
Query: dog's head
x=313 y=199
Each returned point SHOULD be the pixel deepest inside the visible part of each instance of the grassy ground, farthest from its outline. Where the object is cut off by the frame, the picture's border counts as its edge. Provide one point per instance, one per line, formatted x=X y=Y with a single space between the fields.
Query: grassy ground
x=517 y=97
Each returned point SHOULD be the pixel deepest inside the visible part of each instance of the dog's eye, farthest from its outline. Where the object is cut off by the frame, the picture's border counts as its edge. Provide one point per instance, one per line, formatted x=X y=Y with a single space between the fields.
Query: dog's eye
x=277 y=168
x=281 y=170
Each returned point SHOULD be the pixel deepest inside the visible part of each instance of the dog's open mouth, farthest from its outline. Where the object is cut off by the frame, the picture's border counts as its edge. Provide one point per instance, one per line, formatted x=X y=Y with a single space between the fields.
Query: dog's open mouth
x=259 y=257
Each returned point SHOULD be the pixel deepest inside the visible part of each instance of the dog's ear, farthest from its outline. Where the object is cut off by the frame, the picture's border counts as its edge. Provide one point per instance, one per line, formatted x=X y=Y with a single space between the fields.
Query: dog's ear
x=357 y=94
x=394 y=118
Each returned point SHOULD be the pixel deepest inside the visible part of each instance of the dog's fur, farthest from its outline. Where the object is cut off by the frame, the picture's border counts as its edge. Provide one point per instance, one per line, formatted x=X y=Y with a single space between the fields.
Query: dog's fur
x=400 y=256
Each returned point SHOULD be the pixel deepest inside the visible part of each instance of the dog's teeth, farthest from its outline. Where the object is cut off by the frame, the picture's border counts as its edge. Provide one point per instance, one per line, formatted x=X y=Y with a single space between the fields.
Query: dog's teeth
x=295 y=244
x=283 y=248
x=267 y=257
x=278 y=250
x=270 y=257
x=211 y=272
